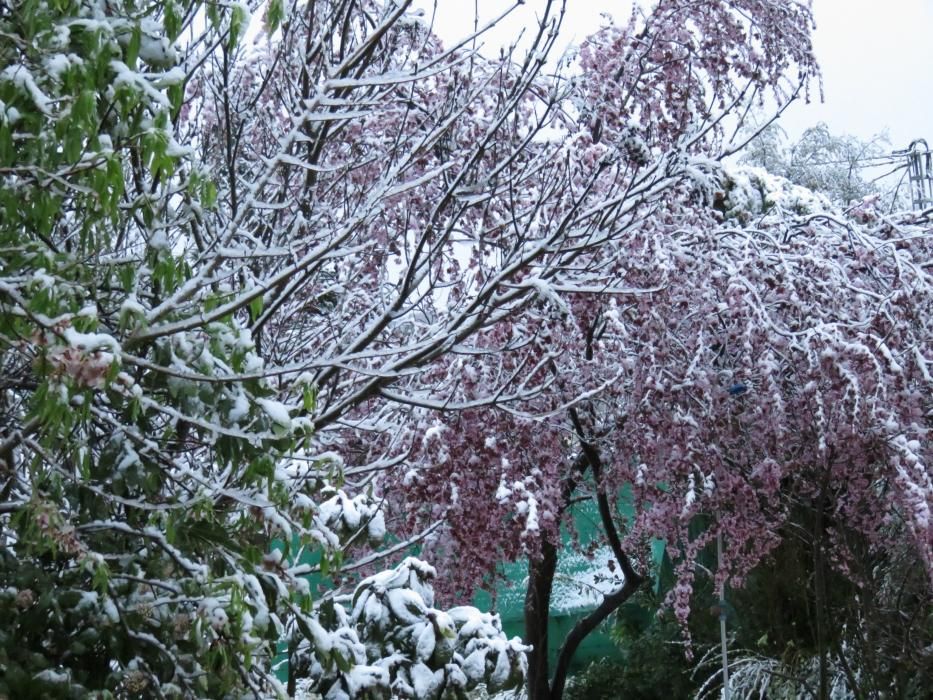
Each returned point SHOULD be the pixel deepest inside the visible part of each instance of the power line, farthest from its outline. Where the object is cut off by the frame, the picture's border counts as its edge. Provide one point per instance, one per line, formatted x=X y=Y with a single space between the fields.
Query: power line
x=876 y=161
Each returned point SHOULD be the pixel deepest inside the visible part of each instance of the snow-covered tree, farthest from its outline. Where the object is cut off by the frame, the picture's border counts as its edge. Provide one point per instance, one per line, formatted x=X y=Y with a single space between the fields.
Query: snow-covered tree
x=408 y=648
x=261 y=299
x=157 y=493
x=833 y=165
x=475 y=266
x=586 y=377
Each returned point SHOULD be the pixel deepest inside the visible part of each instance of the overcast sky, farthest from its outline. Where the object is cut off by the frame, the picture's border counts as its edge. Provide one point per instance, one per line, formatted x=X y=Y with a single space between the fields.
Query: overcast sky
x=877 y=61
x=876 y=56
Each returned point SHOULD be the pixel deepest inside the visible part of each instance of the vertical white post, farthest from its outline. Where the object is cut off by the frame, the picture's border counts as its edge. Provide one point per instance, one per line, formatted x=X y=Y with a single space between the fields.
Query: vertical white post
x=726 y=692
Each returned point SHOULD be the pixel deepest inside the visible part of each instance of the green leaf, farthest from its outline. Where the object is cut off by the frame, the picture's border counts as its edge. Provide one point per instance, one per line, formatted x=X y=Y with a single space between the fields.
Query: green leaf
x=176 y=96
x=101 y=578
x=255 y=308
x=172 y=20
x=208 y=194
x=132 y=49
x=275 y=15
x=342 y=663
x=238 y=20
x=309 y=398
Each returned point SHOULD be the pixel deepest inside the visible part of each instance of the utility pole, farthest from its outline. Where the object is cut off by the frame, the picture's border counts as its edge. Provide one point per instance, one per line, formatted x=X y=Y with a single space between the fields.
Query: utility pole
x=920 y=173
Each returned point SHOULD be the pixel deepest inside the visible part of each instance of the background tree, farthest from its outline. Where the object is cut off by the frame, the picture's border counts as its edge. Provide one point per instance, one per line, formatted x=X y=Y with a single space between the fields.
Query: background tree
x=831 y=164
x=737 y=396
x=528 y=460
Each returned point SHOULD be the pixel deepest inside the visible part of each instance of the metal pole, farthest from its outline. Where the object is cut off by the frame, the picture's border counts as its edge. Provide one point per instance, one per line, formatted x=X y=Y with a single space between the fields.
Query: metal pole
x=921 y=192
x=919 y=173
x=726 y=692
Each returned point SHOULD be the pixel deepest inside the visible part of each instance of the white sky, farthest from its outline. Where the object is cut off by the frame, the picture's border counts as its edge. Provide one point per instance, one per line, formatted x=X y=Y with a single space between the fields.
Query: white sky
x=877 y=61
x=876 y=57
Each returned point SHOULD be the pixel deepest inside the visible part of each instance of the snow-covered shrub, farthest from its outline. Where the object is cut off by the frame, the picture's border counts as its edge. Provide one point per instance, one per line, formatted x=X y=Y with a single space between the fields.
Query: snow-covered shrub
x=753 y=675
x=396 y=643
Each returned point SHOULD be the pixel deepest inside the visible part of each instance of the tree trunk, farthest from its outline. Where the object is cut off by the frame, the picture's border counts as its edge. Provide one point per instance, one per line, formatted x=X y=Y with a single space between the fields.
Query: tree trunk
x=541 y=579
x=537 y=613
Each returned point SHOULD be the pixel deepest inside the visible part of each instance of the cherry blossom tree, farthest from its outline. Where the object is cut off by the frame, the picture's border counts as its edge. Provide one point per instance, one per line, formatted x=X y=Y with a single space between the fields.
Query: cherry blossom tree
x=440 y=241
x=771 y=370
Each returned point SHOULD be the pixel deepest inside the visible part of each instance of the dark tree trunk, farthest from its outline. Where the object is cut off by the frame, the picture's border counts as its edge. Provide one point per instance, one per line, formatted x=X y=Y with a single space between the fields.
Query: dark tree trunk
x=541 y=579
x=819 y=586
x=537 y=613
x=611 y=603
x=538 y=597
x=540 y=685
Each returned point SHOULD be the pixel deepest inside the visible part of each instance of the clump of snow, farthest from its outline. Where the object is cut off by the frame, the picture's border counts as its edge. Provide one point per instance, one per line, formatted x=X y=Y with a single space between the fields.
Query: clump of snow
x=22 y=78
x=240 y=408
x=277 y=411
x=750 y=192
x=52 y=676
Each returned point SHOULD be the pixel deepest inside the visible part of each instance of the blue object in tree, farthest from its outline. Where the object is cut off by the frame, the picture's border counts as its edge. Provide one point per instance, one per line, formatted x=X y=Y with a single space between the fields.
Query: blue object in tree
x=738 y=389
